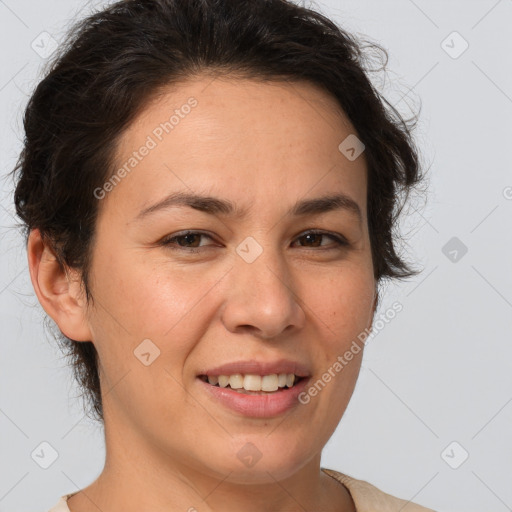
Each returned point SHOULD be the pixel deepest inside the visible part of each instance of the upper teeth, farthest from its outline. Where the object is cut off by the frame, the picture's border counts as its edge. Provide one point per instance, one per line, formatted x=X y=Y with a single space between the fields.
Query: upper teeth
x=251 y=382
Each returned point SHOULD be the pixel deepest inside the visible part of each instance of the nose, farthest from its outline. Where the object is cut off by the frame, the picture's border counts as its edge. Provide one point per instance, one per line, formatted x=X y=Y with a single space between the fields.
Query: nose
x=262 y=299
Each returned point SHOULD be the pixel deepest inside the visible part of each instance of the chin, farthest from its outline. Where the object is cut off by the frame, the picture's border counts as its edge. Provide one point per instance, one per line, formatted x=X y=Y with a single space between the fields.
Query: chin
x=259 y=462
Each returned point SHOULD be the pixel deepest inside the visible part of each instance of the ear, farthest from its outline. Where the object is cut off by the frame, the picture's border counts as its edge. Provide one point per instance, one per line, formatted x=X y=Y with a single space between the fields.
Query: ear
x=58 y=289
x=374 y=306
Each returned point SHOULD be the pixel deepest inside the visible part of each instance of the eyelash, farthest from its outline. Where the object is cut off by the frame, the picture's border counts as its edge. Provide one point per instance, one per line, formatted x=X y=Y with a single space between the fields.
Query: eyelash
x=169 y=241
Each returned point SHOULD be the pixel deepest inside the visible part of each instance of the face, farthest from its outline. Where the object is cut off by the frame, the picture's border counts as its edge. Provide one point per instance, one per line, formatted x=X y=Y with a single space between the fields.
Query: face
x=248 y=284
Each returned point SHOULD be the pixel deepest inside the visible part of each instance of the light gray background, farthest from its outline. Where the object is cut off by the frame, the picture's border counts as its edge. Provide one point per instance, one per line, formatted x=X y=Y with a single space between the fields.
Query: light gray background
x=439 y=372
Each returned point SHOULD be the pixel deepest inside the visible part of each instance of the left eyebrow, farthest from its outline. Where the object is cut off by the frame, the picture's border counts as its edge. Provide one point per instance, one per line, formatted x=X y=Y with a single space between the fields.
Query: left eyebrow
x=217 y=206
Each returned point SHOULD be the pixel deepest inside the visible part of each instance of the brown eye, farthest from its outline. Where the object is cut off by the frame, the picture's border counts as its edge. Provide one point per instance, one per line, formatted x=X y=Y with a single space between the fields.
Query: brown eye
x=187 y=241
x=190 y=241
x=315 y=238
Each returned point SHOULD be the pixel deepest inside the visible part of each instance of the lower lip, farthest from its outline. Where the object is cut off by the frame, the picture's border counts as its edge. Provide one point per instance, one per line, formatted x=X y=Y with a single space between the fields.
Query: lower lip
x=258 y=406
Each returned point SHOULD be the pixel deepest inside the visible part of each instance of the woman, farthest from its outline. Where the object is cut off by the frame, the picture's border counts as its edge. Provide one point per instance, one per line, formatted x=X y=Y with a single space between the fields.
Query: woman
x=209 y=189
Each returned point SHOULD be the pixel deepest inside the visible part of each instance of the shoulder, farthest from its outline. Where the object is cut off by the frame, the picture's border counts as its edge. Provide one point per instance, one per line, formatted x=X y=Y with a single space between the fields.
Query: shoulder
x=62 y=504
x=369 y=498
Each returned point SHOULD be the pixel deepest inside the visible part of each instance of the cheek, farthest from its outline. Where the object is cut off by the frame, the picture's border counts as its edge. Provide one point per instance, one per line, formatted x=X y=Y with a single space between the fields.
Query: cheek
x=150 y=299
x=342 y=301
x=143 y=309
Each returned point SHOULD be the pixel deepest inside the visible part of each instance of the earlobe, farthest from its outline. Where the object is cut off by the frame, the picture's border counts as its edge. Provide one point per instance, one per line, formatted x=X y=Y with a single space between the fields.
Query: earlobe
x=57 y=289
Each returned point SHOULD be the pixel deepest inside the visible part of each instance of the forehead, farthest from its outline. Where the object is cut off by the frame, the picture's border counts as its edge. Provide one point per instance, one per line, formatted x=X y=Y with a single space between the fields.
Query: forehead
x=262 y=141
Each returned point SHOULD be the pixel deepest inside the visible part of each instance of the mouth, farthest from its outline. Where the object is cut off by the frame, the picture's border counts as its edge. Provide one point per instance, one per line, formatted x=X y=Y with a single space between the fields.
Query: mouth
x=256 y=393
x=252 y=384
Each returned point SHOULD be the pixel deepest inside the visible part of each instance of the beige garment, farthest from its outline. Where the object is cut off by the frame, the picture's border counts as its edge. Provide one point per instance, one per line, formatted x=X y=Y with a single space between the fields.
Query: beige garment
x=367 y=497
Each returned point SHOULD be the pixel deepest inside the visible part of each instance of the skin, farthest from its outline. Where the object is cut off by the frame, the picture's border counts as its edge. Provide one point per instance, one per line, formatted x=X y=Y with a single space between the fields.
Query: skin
x=263 y=146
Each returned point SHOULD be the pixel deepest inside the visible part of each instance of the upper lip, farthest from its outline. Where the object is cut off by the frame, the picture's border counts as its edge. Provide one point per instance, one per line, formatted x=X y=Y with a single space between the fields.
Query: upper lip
x=259 y=368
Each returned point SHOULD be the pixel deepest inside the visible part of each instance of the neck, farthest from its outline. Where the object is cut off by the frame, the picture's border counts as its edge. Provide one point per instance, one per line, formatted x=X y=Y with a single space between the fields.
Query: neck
x=142 y=473
x=137 y=476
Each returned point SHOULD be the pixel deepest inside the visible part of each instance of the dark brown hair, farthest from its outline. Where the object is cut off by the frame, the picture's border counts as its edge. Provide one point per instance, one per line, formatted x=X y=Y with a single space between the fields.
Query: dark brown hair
x=115 y=61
